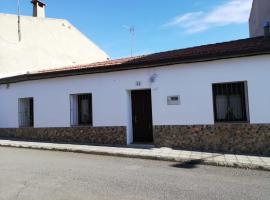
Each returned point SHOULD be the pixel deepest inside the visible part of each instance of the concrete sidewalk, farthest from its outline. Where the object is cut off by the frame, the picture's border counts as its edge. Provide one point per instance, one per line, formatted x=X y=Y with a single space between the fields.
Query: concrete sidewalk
x=147 y=152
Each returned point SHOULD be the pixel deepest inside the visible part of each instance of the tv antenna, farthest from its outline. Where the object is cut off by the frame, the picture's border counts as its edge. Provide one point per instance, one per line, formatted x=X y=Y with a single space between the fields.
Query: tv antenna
x=19 y=21
x=131 y=30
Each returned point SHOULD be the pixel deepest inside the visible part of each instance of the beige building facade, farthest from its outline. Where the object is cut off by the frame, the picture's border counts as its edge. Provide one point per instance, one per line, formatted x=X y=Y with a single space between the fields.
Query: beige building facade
x=38 y=43
x=260 y=15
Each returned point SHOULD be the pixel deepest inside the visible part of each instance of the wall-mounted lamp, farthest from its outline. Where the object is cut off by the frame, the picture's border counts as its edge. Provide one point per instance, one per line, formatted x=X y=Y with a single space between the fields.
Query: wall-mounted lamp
x=153 y=78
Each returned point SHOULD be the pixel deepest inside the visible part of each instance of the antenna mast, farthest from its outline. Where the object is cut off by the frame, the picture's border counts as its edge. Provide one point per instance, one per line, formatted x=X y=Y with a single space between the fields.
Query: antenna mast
x=19 y=21
x=132 y=34
x=131 y=31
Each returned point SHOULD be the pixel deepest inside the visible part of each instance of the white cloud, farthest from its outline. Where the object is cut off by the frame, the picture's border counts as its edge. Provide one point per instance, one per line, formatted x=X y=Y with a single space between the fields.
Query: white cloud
x=232 y=12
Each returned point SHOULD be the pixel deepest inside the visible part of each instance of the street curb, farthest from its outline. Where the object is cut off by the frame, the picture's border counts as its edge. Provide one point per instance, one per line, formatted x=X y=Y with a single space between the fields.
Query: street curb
x=148 y=157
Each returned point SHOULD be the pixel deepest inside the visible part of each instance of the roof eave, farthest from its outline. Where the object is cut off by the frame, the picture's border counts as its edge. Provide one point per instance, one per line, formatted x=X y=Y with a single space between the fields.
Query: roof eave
x=128 y=66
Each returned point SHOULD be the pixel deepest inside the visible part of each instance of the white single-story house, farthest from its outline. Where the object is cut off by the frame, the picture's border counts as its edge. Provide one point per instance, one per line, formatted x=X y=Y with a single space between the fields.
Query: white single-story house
x=209 y=98
x=213 y=98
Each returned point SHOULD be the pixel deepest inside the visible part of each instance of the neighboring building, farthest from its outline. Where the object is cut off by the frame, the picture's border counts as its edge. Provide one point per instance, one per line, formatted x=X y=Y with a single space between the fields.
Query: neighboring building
x=212 y=98
x=44 y=43
x=260 y=15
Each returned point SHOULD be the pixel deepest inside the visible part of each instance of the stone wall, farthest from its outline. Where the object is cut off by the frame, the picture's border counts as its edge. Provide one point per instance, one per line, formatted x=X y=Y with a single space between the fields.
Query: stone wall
x=229 y=138
x=93 y=135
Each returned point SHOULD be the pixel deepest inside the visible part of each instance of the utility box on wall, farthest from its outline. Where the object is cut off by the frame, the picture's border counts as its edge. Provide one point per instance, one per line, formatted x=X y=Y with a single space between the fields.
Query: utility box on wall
x=173 y=100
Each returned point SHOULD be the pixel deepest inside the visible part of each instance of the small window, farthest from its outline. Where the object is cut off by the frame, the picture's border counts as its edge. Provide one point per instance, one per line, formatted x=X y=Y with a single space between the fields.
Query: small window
x=230 y=102
x=26 y=112
x=81 y=109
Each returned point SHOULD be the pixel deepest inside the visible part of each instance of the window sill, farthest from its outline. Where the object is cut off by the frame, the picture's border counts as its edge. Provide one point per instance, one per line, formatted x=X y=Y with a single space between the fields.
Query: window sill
x=239 y=122
x=81 y=126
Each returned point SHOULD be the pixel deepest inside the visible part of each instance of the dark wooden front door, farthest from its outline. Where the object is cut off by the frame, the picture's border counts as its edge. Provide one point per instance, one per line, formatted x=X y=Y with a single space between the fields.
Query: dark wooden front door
x=142 y=116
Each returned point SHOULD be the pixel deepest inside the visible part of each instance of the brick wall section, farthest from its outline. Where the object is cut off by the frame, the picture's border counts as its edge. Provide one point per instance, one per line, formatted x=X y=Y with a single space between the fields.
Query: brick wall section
x=92 y=135
x=229 y=138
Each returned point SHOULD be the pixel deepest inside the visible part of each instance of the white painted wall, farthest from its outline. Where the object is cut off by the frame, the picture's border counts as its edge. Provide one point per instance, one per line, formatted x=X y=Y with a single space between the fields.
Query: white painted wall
x=111 y=101
x=46 y=43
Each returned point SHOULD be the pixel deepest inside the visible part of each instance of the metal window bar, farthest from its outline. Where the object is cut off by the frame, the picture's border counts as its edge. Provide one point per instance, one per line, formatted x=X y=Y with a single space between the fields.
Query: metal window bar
x=26 y=112
x=234 y=103
x=81 y=109
x=84 y=109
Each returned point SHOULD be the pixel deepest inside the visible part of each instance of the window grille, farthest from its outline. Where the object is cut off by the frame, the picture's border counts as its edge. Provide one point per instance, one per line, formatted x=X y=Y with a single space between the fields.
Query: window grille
x=230 y=102
x=81 y=109
x=26 y=112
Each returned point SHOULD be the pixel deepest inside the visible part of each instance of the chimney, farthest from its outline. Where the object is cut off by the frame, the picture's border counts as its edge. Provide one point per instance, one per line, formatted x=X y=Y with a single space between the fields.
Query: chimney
x=38 y=8
x=267 y=30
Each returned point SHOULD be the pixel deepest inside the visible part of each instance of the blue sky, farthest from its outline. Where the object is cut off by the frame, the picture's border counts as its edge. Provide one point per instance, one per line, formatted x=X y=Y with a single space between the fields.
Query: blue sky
x=159 y=25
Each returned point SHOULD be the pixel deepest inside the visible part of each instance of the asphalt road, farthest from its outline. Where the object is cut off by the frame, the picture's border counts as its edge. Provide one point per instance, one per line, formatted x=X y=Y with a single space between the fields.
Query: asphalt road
x=33 y=174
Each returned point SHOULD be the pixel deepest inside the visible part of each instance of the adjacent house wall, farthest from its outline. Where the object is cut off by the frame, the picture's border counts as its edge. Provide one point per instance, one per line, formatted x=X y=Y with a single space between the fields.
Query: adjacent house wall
x=45 y=43
x=111 y=102
x=260 y=14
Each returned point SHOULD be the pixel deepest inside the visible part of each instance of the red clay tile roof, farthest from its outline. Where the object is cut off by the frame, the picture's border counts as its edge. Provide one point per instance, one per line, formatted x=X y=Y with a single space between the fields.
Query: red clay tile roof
x=92 y=65
x=225 y=50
